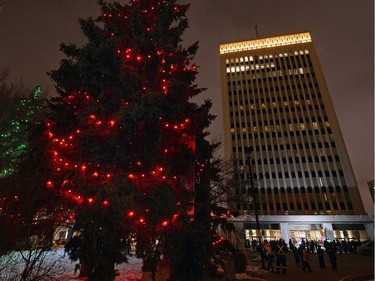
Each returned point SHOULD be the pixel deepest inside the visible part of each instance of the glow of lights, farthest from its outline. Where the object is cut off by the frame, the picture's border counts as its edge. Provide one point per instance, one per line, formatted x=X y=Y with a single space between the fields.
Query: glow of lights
x=266 y=43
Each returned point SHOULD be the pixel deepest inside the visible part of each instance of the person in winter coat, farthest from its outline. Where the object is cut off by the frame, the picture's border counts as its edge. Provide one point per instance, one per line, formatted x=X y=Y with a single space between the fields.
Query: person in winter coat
x=320 y=253
x=306 y=260
x=331 y=252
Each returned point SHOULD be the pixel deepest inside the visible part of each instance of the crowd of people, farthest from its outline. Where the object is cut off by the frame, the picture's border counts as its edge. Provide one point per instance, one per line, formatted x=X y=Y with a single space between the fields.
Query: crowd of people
x=274 y=253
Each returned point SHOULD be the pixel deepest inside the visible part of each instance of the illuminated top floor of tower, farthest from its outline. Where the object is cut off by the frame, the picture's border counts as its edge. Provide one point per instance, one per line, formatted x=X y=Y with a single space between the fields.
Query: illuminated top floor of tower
x=271 y=42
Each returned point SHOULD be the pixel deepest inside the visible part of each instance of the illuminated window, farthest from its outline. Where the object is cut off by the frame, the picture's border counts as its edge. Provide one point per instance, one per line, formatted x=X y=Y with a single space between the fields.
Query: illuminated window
x=255 y=129
x=308 y=102
x=285 y=103
x=315 y=125
x=266 y=129
x=241 y=107
x=264 y=106
x=296 y=103
x=327 y=124
x=274 y=104
x=252 y=106
x=302 y=126
x=306 y=51
x=232 y=130
x=244 y=130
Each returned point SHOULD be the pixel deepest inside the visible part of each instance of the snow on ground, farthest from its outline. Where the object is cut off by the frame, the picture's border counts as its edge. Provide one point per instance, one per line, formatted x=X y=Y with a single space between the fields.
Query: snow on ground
x=130 y=271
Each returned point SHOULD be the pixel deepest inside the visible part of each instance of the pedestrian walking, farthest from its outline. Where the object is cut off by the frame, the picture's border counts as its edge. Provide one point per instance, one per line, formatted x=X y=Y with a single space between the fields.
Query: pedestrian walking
x=282 y=249
x=269 y=255
x=320 y=253
x=306 y=260
x=331 y=252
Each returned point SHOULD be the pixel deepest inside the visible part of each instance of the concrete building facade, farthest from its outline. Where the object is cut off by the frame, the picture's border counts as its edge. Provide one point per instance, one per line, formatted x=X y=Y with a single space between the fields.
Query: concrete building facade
x=280 y=124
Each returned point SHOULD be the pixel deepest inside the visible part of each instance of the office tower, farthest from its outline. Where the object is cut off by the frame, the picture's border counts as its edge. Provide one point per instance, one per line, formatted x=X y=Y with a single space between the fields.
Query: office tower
x=280 y=124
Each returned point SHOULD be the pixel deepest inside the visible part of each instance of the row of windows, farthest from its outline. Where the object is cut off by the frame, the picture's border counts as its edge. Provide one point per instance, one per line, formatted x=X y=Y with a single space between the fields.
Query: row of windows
x=281 y=134
x=267 y=72
x=295 y=85
x=292 y=146
x=309 y=189
x=288 y=121
x=299 y=174
x=273 y=64
x=284 y=97
x=298 y=207
x=297 y=160
x=294 y=57
x=268 y=57
x=285 y=107
x=289 y=190
x=280 y=104
x=278 y=128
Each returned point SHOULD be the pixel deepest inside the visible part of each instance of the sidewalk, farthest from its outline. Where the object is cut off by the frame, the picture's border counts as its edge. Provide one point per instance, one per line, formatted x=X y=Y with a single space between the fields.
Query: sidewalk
x=349 y=268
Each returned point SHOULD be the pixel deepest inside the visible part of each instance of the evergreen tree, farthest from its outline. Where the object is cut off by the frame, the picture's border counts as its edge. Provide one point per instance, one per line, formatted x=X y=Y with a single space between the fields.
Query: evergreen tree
x=22 y=108
x=123 y=132
x=25 y=210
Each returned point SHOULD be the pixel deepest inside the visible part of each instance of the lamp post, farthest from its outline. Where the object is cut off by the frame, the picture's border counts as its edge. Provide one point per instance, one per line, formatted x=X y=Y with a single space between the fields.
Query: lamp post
x=255 y=204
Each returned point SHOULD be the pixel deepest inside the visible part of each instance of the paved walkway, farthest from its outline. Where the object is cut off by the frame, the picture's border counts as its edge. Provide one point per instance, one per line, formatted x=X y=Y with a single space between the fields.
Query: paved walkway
x=349 y=268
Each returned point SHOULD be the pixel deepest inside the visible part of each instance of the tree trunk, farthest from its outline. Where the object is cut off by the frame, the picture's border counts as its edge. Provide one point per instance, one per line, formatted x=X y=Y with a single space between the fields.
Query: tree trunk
x=84 y=270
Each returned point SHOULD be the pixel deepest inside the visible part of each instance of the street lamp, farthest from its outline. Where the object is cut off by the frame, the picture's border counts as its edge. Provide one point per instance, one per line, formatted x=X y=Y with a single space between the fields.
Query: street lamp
x=255 y=204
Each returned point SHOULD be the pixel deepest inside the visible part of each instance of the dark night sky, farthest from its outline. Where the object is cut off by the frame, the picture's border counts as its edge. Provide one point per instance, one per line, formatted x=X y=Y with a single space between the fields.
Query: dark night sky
x=342 y=32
